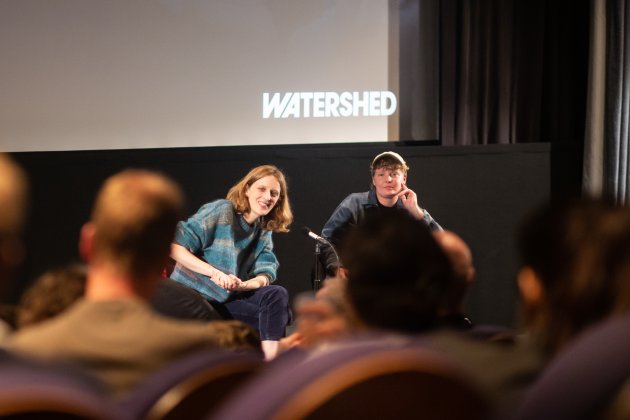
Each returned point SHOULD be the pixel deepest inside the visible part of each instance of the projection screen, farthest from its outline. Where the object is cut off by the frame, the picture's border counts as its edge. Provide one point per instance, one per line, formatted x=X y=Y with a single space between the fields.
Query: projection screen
x=118 y=74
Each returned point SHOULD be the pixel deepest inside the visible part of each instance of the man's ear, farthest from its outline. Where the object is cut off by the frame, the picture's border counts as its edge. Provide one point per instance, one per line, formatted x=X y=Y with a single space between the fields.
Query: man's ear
x=470 y=275
x=530 y=286
x=86 y=241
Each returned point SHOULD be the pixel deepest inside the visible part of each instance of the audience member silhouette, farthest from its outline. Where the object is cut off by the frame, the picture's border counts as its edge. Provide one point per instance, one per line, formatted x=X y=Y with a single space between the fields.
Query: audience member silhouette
x=575 y=258
x=399 y=283
x=112 y=333
x=398 y=276
x=51 y=294
x=575 y=264
x=323 y=318
x=28 y=374
x=13 y=202
x=237 y=336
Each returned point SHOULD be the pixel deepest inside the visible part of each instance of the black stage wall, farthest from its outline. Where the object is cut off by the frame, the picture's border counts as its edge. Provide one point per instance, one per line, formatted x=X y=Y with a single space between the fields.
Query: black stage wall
x=480 y=192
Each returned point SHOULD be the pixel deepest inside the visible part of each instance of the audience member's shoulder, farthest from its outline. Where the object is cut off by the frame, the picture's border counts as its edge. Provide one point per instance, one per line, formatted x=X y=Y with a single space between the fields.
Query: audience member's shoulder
x=228 y=335
x=42 y=340
x=502 y=371
x=475 y=352
x=48 y=323
x=124 y=314
x=192 y=328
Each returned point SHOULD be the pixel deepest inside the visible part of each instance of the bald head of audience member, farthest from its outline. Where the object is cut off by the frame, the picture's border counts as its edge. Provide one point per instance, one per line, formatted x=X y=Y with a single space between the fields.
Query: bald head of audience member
x=398 y=276
x=461 y=259
x=13 y=200
x=129 y=235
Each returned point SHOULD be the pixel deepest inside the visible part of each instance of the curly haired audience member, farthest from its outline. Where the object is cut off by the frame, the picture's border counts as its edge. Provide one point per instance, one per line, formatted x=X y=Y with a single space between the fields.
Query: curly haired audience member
x=51 y=294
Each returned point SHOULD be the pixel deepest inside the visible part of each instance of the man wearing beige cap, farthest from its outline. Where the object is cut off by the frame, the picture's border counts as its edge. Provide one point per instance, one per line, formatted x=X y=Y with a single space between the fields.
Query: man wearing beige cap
x=389 y=193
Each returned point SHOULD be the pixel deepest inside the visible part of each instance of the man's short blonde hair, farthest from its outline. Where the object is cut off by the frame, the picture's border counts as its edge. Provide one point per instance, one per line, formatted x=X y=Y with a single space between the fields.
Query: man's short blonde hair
x=134 y=217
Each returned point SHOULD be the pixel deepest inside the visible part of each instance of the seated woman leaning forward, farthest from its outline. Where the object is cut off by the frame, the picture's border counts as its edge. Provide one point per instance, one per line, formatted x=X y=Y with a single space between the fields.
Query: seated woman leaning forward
x=225 y=253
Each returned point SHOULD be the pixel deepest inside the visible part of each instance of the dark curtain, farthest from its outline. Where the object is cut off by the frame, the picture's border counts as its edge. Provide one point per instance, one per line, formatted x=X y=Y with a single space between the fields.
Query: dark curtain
x=513 y=71
x=617 y=106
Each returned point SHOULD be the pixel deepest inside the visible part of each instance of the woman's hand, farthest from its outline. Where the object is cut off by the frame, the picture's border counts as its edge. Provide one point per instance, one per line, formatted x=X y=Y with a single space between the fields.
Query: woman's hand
x=252 y=284
x=227 y=281
x=192 y=262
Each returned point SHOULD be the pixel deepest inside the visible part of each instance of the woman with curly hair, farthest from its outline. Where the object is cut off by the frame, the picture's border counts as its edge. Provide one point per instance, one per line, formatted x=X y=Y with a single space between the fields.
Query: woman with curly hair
x=225 y=253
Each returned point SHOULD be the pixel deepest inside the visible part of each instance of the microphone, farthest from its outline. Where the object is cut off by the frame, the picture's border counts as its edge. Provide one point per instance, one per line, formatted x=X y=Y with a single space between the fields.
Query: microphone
x=308 y=232
x=313 y=235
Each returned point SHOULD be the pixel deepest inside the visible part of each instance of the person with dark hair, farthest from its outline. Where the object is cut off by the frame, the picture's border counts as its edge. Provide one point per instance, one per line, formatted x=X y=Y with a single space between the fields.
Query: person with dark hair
x=389 y=193
x=398 y=276
x=51 y=294
x=112 y=333
x=575 y=267
x=402 y=283
x=225 y=253
x=575 y=258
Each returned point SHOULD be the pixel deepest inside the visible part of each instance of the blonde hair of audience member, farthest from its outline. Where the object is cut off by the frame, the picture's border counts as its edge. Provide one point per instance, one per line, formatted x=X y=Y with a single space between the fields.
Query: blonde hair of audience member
x=575 y=268
x=237 y=336
x=131 y=229
x=51 y=294
x=280 y=217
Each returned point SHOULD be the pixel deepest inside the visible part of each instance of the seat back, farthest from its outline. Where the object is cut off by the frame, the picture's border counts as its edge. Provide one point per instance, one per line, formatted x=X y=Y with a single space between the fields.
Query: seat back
x=191 y=387
x=361 y=381
x=34 y=392
x=584 y=378
x=490 y=332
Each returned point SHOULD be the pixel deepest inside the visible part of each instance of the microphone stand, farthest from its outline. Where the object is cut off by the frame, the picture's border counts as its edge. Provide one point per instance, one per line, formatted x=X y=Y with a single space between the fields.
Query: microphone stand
x=318 y=269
